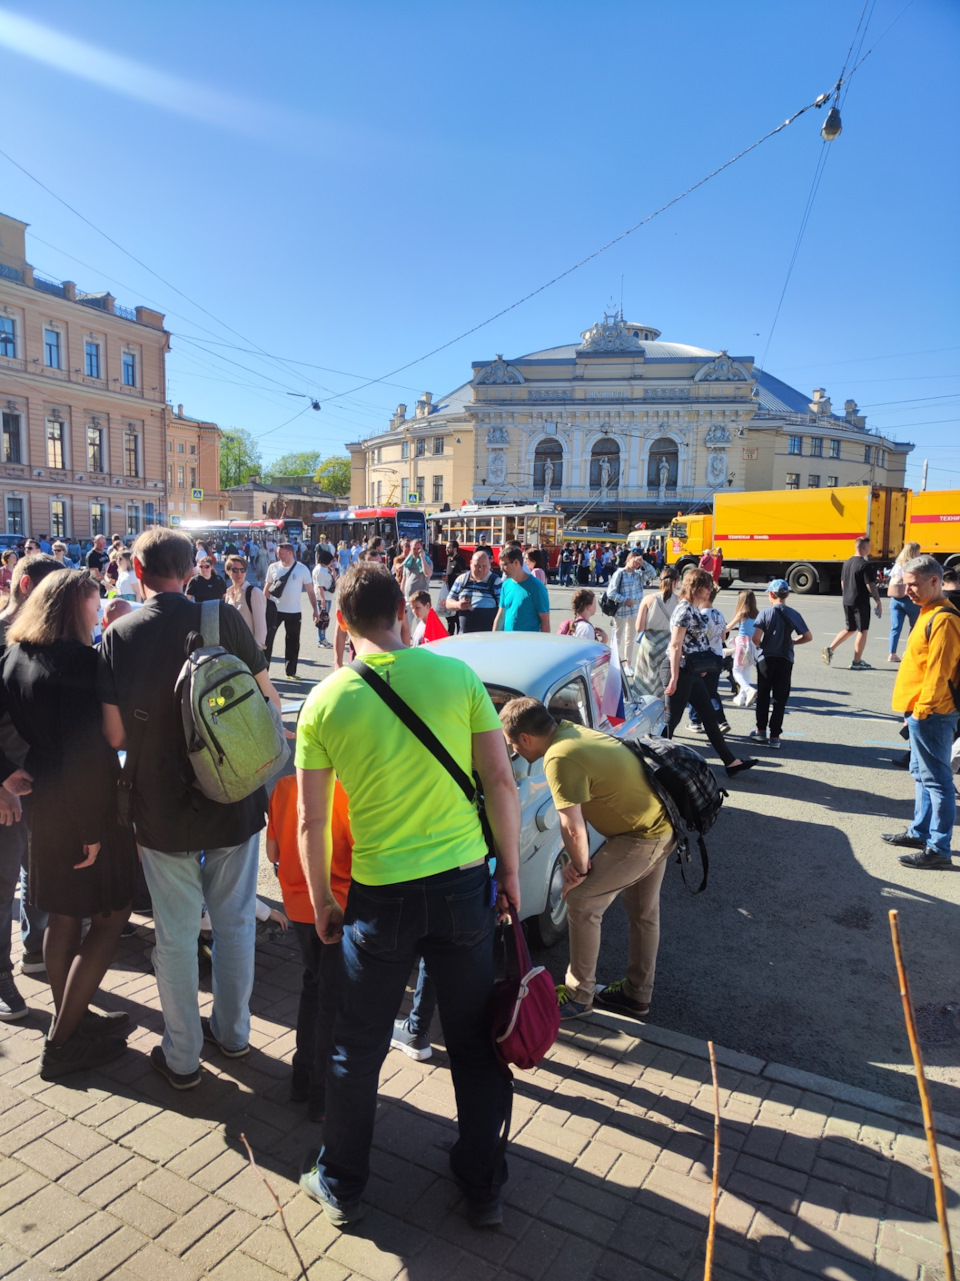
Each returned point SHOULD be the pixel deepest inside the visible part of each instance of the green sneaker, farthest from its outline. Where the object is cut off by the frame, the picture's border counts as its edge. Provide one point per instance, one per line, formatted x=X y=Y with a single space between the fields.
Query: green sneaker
x=569 y=1008
x=613 y=997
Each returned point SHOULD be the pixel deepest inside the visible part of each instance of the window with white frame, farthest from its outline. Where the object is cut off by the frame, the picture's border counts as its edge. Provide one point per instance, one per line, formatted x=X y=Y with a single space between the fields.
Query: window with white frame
x=170 y=475
x=193 y=449
x=129 y=367
x=12 y=444
x=8 y=336
x=180 y=478
x=91 y=359
x=149 y=515
x=438 y=444
x=15 y=523
x=438 y=489
x=832 y=482
x=133 y=518
x=55 y=442
x=834 y=449
x=419 y=487
x=58 y=518
x=816 y=446
x=813 y=482
x=421 y=448
x=98 y=517
x=793 y=480
x=193 y=477
x=131 y=453
x=180 y=447
x=95 y=448
x=866 y=453
x=405 y=449
x=51 y=348
x=795 y=445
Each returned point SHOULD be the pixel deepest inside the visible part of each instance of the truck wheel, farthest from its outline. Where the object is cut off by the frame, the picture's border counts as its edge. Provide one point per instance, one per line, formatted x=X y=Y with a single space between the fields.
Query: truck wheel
x=684 y=565
x=803 y=579
x=551 y=925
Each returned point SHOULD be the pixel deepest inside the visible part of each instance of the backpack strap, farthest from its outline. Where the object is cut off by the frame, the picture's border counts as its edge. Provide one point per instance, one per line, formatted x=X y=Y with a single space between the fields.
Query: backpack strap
x=247 y=594
x=944 y=609
x=416 y=726
x=210 y=622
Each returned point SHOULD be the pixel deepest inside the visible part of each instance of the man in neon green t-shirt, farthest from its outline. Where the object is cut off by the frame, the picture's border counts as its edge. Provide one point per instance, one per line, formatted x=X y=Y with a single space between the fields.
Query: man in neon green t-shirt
x=420 y=885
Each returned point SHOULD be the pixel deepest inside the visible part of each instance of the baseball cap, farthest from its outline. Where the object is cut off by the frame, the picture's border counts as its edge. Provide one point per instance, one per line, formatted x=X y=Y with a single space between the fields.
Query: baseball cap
x=778 y=586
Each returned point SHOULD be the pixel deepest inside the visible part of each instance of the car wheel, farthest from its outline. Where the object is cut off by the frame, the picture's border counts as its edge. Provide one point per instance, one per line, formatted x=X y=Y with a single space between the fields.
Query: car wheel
x=551 y=925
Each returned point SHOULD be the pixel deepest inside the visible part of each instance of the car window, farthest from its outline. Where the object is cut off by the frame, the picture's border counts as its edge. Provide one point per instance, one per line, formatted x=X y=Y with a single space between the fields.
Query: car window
x=571 y=703
x=598 y=678
x=500 y=695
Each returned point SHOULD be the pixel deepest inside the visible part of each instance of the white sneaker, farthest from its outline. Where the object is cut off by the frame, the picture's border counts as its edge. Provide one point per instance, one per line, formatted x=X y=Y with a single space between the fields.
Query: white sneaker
x=737 y=700
x=751 y=698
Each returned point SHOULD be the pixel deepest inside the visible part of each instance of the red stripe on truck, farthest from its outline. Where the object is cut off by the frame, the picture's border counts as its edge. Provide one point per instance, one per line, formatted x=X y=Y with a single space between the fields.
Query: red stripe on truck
x=793 y=538
x=934 y=519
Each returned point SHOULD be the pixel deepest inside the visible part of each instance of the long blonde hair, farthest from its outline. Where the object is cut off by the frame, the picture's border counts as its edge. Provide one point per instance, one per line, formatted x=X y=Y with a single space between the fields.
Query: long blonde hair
x=909 y=551
x=54 y=610
x=746 y=607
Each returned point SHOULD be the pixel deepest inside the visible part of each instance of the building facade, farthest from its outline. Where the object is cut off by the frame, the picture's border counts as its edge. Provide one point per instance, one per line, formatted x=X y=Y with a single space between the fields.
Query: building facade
x=82 y=395
x=193 y=467
x=615 y=429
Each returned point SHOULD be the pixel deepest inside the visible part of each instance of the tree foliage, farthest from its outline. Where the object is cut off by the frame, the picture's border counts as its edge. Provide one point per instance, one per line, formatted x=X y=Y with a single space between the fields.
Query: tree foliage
x=333 y=474
x=239 y=457
x=302 y=463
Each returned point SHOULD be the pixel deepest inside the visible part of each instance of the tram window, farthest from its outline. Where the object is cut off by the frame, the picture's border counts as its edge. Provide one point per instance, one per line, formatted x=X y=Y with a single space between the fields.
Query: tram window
x=484 y=529
x=510 y=529
x=456 y=531
x=496 y=531
x=548 y=530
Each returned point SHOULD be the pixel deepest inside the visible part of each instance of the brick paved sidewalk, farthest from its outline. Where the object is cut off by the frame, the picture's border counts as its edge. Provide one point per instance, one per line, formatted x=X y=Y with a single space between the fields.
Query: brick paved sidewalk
x=113 y=1174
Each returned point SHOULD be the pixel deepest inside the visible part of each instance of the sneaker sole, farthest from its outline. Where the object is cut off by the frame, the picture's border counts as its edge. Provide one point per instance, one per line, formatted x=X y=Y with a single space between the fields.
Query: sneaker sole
x=412 y=1052
x=11 y=1016
x=53 y=1071
x=210 y=1039
x=31 y=969
x=337 y=1216
x=622 y=1009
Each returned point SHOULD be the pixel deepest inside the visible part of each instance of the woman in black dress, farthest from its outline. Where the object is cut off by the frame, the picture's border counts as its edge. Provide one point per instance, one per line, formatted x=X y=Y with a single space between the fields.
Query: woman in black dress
x=206 y=584
x=82 y=863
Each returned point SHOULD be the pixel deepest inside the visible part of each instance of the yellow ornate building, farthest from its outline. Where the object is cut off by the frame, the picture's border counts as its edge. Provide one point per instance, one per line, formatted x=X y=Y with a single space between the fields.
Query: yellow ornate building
x=617 y=428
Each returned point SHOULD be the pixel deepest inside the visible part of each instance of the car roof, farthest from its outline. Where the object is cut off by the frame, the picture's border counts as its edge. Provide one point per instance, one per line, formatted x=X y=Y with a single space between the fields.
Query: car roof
x=528 y=661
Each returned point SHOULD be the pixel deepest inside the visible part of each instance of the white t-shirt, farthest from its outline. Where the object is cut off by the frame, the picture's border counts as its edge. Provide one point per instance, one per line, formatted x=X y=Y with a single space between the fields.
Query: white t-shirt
x=322 y=578
x=289 y=601
x=127 y=584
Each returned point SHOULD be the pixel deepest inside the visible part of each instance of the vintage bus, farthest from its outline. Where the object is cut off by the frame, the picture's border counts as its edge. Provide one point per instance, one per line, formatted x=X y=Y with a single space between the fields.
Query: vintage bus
x=238 y=531
x=532 y=525
x=364 y=523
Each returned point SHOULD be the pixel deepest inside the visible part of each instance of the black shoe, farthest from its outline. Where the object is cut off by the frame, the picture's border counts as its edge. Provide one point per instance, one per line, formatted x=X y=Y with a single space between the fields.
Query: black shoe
x=241 y=1053
x=112 y=1024
x=733 y=770
x=903 y=761
x=179 y=1080
x=485 y=1214
x=929 y=860
x=78 y=1053
x=613 y=997
x=905 y=839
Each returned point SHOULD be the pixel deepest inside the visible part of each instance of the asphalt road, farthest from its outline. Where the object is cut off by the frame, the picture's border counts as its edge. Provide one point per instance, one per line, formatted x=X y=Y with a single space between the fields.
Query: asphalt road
x=787 y=955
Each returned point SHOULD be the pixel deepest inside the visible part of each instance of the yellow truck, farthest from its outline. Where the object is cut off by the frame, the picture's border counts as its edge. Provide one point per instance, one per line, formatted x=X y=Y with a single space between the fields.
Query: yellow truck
x=933 y=521
x=802 y=535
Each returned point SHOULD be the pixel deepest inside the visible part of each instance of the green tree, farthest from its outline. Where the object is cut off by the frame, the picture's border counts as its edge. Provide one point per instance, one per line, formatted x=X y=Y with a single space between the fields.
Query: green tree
x=333 y=474
x=239 y=457
x=304 y=463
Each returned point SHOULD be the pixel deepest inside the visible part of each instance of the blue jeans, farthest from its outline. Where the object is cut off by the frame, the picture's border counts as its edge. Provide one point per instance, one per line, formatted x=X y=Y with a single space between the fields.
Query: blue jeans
x=33 y=922
x=13 y=852
x=424 y=1002
x=935 y=807
x=900 y=611
x=226 y=880
x=449 y=921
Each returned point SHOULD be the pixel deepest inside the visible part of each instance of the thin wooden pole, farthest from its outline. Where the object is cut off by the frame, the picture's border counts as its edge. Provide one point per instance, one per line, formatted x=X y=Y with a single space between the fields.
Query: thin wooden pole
x=715 y=1190
x=924 y=1098
x=256 y=1169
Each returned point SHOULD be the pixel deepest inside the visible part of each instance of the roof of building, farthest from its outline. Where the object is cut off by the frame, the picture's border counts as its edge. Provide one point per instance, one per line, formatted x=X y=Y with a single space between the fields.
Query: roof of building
x=652 y=350
x=776 y=397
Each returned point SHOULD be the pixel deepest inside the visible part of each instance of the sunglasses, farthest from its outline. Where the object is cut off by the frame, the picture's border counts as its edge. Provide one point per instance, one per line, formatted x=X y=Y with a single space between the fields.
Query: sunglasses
x=235 y=569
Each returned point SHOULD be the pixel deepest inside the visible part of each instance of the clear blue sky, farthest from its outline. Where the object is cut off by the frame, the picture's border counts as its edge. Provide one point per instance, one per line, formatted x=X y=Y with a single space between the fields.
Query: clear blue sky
x=350 y=186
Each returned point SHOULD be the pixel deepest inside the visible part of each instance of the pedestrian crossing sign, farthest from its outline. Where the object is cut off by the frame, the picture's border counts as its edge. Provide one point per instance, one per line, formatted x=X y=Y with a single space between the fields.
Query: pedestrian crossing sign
x=412 y=499
x=196 y=495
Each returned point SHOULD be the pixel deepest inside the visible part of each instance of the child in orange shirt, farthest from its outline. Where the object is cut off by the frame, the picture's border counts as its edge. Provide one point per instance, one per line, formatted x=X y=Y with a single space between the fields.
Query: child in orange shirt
x=320 y=960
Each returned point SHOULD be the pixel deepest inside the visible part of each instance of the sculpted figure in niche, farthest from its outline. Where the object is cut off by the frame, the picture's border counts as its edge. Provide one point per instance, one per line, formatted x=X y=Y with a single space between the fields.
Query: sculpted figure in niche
x=548 y=476
x=664 y=472
x=604 y=474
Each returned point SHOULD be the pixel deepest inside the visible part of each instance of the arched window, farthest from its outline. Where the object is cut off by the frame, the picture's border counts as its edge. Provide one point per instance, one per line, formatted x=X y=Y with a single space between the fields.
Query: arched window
x=605 y=464
x=663 y=450
x=548 y=451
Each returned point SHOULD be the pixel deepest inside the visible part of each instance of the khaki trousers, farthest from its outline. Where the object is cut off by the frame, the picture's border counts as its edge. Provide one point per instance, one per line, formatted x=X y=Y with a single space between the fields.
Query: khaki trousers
x=633 y=867
x=625 y=628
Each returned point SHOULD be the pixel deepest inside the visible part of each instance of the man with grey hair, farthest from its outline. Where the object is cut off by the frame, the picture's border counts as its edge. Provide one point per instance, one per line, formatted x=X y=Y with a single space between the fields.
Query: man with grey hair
x=927 y=693
x=859 y=581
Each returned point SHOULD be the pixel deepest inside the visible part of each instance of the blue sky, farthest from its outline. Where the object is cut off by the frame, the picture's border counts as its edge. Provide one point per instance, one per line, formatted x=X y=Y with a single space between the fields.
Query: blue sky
x=346 y=188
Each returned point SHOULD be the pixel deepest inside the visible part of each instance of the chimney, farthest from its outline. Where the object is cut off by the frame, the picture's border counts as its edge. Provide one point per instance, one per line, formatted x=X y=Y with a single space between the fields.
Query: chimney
x=854 y=418
x=821 y=401
x=179 y=411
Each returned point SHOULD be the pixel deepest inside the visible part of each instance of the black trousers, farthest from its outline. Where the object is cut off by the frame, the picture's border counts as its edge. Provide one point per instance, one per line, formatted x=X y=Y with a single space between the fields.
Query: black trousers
x=316 y=1013
x=291 y=640
x=774 y=680
x=692 y=689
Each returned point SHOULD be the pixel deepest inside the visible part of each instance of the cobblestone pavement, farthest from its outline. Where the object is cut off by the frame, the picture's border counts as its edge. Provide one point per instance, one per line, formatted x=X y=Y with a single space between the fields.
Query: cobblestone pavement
x=113 y=1174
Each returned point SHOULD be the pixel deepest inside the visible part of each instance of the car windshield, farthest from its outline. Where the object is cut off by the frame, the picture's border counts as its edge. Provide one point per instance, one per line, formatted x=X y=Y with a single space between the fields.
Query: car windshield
x=500 y=696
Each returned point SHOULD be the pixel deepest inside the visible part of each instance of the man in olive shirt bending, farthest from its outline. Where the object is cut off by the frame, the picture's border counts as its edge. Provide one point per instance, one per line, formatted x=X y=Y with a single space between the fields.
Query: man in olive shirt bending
x=595 y=779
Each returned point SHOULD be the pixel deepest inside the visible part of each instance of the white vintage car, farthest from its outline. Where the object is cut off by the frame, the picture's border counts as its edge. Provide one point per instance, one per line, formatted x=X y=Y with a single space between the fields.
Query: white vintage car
x=568 y=675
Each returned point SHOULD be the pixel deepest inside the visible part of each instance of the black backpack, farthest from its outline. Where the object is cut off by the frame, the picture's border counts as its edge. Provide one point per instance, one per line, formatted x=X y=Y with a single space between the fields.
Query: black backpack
x=687 y=788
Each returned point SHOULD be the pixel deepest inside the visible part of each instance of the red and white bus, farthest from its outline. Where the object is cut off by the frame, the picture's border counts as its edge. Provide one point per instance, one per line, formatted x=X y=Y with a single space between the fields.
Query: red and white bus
x=364 y=523
x=530 y=524
x=238 y=531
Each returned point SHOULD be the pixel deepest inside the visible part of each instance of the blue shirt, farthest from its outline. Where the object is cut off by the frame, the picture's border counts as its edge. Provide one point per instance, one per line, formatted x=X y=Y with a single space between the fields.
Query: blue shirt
x=779 y=623
x=523 y=603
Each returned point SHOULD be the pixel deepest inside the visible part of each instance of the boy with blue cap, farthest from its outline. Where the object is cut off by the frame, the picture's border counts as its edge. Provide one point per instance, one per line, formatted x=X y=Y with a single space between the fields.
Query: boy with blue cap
x=777 y=629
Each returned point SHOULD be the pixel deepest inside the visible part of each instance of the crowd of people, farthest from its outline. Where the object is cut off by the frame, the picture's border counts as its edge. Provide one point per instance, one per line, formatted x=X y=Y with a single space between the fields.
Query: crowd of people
x=370 y=891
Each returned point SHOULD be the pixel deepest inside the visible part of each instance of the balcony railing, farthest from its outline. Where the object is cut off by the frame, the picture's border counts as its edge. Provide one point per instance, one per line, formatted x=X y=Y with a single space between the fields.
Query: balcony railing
x=48 y=287
x=10 y=273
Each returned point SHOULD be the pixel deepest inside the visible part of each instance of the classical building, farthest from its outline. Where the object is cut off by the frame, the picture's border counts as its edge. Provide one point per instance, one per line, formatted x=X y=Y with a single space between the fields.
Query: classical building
x=294 y=497
x=82 y=395
x=617 y=428
x=193 y=467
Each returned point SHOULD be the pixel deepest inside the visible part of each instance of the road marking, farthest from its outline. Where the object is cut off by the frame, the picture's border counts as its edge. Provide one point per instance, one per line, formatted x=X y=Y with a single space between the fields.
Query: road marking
x=879 y=742
x=792 y=733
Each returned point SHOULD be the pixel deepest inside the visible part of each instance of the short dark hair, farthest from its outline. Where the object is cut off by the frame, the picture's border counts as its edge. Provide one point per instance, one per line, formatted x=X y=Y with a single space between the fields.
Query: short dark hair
x=512 y=554
x=369 y=598
x=323 y=557
x=526 y=716
x=164 y=553
x=36 y=567
x=420 y=598
x=286 y=543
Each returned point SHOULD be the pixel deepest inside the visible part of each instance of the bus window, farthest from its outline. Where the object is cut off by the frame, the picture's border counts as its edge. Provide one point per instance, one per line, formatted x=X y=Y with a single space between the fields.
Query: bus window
x=410 y=524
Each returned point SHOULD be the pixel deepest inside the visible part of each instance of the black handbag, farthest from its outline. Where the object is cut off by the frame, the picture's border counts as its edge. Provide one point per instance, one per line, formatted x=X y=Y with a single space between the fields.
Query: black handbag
x=704 y=662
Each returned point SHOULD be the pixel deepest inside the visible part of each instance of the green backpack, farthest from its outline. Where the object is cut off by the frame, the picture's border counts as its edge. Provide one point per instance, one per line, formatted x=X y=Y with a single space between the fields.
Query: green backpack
x=235 y=737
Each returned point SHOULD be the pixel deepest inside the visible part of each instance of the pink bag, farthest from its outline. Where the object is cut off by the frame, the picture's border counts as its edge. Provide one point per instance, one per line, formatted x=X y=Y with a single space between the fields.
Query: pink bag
x=565 y=628
x=524 y=1014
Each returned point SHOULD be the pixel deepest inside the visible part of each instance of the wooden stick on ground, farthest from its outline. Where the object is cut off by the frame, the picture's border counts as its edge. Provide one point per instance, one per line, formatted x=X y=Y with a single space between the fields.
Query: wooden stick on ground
x=715 y=1190
x=256 y=1170
x=924 y=1098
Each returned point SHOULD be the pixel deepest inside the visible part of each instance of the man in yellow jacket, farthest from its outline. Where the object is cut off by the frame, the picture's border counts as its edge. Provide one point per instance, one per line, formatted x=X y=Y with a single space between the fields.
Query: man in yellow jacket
x=927 y=693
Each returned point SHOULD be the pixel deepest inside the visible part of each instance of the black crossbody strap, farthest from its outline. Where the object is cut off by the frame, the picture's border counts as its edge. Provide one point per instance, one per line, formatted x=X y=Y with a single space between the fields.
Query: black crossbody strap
x=416 y=727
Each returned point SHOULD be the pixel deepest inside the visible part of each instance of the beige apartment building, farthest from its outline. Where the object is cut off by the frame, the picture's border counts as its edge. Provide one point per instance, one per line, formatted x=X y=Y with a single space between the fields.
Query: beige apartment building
x=618 y=428
x=193 y=468
x=82 y=395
